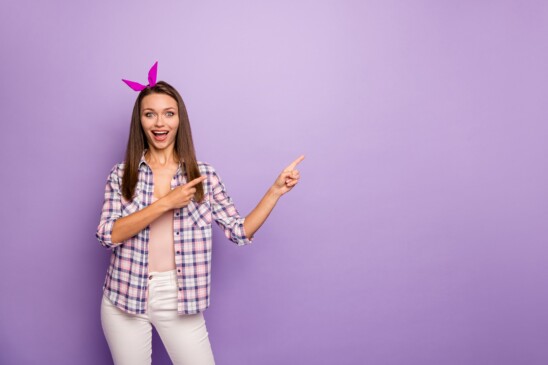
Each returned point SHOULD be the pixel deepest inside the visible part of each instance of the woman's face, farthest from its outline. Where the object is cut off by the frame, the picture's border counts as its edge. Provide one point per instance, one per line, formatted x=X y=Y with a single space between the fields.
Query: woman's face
x=160 y=120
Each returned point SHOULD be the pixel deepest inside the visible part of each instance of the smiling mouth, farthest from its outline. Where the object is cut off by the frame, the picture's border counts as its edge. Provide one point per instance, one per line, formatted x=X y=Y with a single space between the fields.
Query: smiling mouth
x=160 y=136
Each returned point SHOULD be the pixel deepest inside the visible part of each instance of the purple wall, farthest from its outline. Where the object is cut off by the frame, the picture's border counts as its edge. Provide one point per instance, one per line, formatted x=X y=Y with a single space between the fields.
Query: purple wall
x=417 y=234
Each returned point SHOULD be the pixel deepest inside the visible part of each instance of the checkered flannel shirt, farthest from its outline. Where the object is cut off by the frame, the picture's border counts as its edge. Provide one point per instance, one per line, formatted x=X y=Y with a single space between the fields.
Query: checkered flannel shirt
x=126 y=280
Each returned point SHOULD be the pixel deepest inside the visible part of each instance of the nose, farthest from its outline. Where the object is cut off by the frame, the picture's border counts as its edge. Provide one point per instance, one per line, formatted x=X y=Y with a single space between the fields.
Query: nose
x=159 y=121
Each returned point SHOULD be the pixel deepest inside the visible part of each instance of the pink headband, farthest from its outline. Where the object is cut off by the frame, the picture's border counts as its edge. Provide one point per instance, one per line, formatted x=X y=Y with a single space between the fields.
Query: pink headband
x=151 y=79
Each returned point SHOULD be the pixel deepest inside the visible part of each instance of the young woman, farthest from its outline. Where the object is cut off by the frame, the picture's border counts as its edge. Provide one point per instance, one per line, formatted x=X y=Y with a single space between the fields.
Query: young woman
x=157 y=214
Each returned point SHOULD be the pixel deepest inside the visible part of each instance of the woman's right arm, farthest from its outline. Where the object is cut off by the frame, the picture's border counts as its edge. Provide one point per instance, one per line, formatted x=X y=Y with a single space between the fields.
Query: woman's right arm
x=114 y=229
x=126 y=227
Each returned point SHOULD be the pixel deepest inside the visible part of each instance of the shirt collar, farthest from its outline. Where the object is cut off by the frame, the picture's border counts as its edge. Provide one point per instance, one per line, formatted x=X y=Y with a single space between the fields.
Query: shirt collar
x=144 y=161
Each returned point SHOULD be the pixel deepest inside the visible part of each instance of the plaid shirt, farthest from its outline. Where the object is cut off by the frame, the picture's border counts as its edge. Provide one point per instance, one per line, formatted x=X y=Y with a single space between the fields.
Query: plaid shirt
x=126 y=282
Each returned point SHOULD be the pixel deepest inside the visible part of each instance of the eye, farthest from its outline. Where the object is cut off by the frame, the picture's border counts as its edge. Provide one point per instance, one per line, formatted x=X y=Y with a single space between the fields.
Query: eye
x=149 y=114
x=170 y=114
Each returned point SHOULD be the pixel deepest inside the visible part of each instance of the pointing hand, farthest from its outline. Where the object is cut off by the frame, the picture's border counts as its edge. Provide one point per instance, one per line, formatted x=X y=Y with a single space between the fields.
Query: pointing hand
x=182 y=195
x=288 y=178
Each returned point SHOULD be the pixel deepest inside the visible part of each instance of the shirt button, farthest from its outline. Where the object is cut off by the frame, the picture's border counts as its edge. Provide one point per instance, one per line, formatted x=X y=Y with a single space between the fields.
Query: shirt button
x=150 y=277
x=178 y=270
x=177 y=233
x=176 y=214
x=178 y=252
x=180 y=289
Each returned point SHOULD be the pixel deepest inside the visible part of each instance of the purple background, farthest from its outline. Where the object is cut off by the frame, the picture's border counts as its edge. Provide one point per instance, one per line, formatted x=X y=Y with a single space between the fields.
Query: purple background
x=417 y=234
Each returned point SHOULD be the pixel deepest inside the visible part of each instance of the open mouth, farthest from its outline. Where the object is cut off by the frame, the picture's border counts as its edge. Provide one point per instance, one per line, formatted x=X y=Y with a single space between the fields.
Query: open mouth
x=160 y=135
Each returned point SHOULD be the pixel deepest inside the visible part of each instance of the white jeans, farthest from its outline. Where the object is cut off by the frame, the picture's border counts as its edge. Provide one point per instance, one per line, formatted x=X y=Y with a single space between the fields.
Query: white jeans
x=129 y=336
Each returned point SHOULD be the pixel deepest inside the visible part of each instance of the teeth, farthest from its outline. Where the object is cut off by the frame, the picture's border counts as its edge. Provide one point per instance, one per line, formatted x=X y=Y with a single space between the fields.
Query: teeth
x=159 y=133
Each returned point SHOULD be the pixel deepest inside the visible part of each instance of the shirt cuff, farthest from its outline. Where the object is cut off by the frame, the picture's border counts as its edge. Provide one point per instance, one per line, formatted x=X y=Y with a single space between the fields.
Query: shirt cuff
x=104 y=234
x=241 y=235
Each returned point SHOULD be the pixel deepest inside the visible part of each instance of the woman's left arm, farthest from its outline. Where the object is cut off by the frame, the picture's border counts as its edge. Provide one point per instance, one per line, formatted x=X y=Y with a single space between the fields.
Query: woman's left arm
x=287 y=179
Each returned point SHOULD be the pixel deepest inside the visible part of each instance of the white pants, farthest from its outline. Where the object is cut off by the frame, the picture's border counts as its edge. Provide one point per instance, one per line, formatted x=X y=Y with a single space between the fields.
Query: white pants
x=129 y=336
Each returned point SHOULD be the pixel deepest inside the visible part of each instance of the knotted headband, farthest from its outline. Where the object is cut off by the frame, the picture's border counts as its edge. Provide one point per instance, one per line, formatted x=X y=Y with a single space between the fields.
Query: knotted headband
x=151 y=79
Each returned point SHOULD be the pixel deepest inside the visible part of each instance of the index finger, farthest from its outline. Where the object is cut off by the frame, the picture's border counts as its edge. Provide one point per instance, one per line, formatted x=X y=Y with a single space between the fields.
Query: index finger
x=196 y=181
x=295 y=163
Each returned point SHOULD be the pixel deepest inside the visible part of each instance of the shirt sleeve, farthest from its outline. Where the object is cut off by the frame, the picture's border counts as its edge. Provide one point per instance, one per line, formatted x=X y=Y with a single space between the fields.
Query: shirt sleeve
x=225 y=213
x=112 y=209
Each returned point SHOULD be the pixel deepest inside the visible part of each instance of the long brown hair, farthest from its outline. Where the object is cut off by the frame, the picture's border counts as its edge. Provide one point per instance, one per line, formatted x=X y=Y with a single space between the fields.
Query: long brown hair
x=137 y=143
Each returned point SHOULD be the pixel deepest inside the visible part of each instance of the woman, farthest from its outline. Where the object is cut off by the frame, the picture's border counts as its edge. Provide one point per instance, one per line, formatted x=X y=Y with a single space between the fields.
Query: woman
x=156 y=217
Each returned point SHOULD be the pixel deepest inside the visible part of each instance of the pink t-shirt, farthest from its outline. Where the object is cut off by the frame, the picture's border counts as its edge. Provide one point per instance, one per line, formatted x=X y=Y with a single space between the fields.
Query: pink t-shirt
x=161 y=251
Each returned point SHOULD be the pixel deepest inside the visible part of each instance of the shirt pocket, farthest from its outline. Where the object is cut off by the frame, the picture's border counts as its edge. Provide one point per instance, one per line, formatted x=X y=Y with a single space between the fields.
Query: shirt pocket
x=130 y=207
x=198 y=214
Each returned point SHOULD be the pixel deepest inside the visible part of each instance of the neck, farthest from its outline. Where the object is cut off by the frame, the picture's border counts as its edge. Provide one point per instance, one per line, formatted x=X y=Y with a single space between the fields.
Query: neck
x=162 y=157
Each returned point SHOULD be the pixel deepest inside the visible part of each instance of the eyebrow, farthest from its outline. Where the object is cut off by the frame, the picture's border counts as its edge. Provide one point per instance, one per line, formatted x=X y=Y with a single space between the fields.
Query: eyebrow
x=171 y=107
